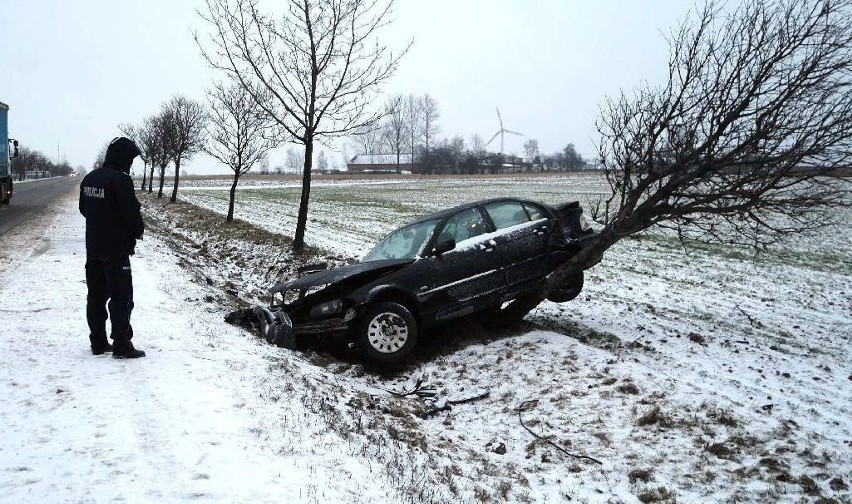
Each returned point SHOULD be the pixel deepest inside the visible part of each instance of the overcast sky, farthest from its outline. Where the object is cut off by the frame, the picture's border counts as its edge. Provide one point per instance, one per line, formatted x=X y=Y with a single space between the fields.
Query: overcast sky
x=73 y=71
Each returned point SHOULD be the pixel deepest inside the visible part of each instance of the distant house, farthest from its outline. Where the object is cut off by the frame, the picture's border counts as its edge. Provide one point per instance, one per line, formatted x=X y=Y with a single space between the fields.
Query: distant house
x=380 y=163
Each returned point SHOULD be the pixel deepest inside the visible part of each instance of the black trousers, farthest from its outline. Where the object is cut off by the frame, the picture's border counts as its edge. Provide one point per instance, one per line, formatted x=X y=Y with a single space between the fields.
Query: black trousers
x=109 y=279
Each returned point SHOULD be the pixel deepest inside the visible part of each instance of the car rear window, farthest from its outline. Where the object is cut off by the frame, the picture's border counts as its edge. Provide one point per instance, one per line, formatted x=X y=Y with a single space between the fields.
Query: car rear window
x=507 y=214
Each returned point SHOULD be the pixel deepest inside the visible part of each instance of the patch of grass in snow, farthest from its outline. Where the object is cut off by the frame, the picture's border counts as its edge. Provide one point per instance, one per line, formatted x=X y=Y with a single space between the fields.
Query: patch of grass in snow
x=643 y=475
x=659 y=494
x=654 y=416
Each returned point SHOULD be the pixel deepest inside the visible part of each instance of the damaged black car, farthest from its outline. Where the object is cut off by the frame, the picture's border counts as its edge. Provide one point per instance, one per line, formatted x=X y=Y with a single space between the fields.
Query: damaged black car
x=450 y=264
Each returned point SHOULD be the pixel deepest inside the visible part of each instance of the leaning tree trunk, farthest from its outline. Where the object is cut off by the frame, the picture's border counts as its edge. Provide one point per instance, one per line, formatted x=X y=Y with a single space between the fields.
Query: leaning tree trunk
x=177 y=180
x=144 y=175
x=151 y=179
x=581 y=261
x=230 y=216
x=302 y=220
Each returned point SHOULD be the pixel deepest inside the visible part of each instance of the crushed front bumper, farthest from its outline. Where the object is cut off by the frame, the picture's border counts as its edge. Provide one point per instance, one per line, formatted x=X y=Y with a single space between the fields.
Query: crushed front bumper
x=275 y=326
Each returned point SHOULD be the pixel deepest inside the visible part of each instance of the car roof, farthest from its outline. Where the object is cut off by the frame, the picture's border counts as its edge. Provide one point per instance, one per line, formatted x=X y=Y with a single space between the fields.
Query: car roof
x=442 y=214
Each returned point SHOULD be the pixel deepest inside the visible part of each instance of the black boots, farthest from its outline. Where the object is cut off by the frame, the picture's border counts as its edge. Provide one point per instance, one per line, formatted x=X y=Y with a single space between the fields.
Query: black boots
x=125 y=350
x=100 y=348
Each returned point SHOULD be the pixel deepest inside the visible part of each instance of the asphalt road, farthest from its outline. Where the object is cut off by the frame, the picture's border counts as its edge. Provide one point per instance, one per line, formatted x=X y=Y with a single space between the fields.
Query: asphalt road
x=31 y=198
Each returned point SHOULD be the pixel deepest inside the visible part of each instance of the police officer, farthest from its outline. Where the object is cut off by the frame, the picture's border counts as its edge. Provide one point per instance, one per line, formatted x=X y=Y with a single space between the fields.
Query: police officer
x=113 y=224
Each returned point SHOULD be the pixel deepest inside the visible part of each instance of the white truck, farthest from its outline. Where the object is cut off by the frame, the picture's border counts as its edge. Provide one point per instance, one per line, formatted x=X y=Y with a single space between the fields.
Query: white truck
x=8 y=151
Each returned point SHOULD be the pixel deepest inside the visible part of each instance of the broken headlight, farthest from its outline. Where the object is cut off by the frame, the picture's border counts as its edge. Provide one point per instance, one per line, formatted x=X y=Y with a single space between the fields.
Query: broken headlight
x=327 y=309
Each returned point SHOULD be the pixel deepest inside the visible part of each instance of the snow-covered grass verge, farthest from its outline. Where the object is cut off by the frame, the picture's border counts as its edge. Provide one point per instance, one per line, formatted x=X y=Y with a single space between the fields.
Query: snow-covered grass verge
x=698 y=375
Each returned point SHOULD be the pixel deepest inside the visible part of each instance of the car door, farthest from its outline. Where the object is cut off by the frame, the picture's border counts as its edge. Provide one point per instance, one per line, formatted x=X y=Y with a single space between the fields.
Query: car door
x=467 y=278
x=523 y=236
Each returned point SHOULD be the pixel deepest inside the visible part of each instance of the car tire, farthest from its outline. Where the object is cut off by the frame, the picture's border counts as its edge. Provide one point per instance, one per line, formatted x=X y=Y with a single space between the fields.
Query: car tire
x=387 y=333
x=569 y=289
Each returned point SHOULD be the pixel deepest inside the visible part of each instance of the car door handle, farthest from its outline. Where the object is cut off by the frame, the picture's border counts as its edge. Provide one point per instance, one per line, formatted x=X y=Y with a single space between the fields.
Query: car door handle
x=488 y=246
x=541 y=230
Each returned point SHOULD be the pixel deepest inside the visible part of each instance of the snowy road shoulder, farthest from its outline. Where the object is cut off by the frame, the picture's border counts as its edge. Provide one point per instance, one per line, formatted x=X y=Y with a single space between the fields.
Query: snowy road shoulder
x=184 y=422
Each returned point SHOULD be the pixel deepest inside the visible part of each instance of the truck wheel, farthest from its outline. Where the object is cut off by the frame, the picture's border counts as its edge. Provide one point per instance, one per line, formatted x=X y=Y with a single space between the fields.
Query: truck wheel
x=569 y=289
x=387 y=333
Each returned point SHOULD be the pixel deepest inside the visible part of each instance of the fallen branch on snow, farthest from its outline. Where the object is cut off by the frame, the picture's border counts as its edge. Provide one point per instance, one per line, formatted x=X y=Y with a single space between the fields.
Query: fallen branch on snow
x=527 y=405
x=419 y=390
x=449 y=404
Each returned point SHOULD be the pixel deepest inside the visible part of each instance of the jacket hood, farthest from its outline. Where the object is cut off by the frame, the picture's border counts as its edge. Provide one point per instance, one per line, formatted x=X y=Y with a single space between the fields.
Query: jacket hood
x=337 y=275
x=120 y=154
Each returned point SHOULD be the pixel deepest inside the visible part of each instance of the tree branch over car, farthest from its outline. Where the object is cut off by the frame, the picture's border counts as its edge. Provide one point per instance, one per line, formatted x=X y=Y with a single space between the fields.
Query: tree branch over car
x=320 y=63
x=744 y=142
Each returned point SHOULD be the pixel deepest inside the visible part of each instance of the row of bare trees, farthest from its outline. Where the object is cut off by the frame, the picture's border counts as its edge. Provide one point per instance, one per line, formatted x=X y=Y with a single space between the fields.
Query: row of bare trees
x=37 y=165
x=408 y=126
x=409 y=130
x=230 y=128
x=171 y=137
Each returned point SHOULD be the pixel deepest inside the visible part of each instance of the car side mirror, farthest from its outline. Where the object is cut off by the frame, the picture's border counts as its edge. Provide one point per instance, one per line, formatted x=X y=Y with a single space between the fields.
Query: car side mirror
x=443 y=246
x=14 y=148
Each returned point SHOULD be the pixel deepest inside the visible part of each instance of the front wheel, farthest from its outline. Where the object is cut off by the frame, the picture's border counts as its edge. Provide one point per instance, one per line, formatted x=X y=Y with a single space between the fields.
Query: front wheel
x=387 y=333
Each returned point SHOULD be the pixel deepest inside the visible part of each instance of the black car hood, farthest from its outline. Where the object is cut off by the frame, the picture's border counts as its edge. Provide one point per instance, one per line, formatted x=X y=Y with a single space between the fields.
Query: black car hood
x=370 y=269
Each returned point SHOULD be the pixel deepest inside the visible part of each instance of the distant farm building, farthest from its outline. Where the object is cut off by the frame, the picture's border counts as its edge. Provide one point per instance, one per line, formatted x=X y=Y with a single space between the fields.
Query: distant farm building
x=381 y=163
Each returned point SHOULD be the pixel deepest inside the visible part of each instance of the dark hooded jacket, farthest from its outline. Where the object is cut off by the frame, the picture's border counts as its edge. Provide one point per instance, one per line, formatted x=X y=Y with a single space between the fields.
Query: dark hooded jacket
x=108 y=201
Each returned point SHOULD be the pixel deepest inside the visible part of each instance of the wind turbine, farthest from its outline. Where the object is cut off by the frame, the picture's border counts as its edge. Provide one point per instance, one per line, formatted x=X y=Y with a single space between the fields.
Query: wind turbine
x=501 y=132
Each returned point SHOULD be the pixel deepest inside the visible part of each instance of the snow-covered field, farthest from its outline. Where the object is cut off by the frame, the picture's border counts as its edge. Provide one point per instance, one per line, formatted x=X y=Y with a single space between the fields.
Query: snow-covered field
x=701 y=375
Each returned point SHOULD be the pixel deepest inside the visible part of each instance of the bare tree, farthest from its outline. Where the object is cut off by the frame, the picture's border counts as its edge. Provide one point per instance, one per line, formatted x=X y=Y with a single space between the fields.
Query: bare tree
x=321 y=62
x=572 y=159
x=393 y=127
x=186 y=119
x=134 y=133
x=477 y=146
x=100 y=156
x=153 y=145
x=429 y=115
x=147 y=136
x=413 y=108
x=322 y=161
x=161 y=129
x=292 y=160
x=238 y=134
x=455 y=151
x=743 y=143
x=368 y=138
x=531 y=149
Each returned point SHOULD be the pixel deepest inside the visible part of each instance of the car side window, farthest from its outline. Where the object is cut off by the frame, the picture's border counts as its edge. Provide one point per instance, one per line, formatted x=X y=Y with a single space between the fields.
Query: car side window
x=535 y=212
x=465 y=224
x=507 y=213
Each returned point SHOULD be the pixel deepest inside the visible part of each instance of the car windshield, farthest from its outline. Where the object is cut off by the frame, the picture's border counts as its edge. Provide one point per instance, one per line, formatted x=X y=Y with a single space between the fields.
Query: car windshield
x=404 y=243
